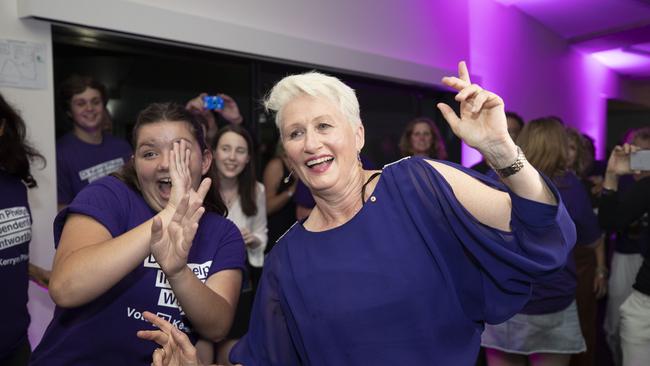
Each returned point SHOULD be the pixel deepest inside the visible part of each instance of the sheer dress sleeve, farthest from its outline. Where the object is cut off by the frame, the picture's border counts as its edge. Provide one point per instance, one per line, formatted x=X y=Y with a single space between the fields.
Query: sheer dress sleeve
x=268 y=341
x=491 y=270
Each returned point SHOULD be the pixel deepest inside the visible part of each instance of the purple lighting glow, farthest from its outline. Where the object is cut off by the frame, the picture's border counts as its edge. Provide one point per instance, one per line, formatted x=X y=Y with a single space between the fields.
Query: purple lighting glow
x=624 y=60
x=536 y=72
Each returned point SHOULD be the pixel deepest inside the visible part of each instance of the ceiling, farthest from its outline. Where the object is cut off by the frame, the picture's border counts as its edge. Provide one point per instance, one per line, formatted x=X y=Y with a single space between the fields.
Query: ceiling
x=616 y=32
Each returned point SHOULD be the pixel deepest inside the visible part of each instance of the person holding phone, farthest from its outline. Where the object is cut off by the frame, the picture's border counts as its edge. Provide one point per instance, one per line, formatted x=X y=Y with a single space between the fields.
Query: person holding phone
x=206 y=105
x=617 y=211
x=629 y=245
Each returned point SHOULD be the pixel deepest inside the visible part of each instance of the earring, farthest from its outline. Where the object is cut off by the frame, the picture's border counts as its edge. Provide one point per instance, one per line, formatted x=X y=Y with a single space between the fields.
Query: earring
x=286 y=179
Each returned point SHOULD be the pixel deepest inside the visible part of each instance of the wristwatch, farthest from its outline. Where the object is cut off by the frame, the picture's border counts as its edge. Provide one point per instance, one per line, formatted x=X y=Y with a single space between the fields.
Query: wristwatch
x=513 y=168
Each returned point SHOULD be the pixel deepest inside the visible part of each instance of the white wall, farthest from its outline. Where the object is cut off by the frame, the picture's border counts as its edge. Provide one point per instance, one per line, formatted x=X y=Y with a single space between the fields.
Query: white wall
x=37 y=109
x=396 y=39
x=417 y=31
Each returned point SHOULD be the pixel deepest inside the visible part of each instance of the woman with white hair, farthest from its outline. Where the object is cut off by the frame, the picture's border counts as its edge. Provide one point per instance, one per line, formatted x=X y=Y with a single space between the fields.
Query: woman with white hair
x=398 y=266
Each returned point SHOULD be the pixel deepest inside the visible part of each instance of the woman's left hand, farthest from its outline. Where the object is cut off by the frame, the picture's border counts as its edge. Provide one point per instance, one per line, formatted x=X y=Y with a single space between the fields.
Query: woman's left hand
x=171 y=245
x=482 y=123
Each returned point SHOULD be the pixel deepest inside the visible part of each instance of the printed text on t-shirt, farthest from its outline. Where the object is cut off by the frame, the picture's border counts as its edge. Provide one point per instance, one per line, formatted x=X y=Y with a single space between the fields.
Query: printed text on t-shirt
x=15 y=227
x=101 y=170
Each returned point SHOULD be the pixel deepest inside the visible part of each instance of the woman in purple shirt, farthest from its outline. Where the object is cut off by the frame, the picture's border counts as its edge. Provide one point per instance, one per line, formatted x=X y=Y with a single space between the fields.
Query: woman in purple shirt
x=400 y=266
x=547 y=330
x=15 y=235
x=143 y=241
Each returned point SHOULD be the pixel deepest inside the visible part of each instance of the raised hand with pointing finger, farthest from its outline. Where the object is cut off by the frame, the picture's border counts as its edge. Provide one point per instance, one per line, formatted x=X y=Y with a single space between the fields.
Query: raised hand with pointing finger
x=482 y=123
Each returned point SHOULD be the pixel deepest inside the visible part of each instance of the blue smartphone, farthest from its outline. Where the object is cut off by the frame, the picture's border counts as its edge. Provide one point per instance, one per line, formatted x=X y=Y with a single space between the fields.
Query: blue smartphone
x=213 y=102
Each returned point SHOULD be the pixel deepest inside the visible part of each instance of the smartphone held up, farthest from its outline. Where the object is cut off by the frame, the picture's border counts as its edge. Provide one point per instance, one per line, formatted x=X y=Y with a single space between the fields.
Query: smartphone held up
x=213 y=102
x=640 y=160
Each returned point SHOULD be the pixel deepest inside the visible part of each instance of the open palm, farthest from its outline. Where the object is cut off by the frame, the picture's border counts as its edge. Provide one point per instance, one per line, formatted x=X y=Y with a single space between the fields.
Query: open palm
x=171 y=245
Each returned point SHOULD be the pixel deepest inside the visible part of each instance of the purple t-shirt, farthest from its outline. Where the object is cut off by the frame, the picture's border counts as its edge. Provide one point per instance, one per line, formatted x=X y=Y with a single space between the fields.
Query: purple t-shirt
x=79 y=163
x=103 y=331
x=558 y=290
x=15 y=235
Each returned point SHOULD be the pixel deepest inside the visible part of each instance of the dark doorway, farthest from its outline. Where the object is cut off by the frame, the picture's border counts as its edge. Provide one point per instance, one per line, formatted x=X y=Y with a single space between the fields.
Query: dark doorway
x=139 y=71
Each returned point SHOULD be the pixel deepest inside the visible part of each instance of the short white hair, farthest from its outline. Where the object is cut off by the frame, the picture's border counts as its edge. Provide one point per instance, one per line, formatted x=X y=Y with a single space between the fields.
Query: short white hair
x=315 y=84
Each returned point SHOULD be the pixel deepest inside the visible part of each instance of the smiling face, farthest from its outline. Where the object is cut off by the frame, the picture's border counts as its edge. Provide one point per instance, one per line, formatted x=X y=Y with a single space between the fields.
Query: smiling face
x=231 y=155
x=421 y=138
x=87 y=110
x=152 y=158
x=321 y=145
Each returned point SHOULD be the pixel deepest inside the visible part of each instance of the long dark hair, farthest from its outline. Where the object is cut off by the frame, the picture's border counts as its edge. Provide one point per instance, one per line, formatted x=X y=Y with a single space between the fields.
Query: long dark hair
x=15 y=153
x=437 y=149
x=173 y=112
x=247 y=180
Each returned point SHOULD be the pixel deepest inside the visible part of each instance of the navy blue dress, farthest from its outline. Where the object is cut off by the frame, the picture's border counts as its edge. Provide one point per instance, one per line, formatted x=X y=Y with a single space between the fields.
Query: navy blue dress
x=410 y=279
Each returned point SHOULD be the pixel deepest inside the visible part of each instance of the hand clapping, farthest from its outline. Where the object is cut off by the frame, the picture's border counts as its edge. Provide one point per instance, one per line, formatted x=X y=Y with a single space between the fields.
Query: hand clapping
x=171 y=241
